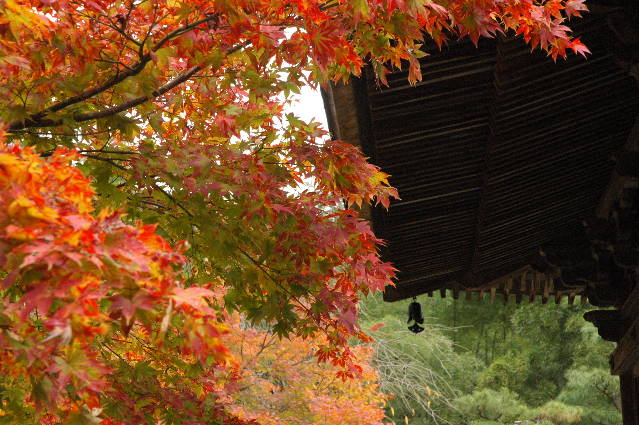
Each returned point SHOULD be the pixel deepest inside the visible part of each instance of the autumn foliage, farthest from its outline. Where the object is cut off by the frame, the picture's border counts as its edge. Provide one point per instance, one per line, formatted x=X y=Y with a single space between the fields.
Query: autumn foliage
x=198 y=180
x=87 y=294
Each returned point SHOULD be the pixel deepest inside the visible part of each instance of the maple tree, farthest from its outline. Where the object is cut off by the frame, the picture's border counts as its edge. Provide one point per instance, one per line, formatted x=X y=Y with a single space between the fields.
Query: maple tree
x=177 y=112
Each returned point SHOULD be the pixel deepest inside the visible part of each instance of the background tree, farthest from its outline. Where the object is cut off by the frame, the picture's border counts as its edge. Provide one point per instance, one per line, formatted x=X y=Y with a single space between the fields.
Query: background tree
x=281 y=383
x=422 y=373
x=529 y=363
x=596 y=392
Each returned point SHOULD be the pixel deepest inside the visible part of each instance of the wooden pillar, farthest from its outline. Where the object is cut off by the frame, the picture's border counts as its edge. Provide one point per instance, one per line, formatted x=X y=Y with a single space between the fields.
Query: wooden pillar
x=629 y=398
x=622 y=326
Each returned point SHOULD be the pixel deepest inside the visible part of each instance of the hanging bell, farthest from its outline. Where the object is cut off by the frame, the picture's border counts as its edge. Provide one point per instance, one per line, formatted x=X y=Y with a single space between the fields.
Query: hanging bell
x=415 y=315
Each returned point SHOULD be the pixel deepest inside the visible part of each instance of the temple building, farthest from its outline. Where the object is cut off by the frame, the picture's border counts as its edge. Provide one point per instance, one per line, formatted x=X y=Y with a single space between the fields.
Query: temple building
x=518 y=176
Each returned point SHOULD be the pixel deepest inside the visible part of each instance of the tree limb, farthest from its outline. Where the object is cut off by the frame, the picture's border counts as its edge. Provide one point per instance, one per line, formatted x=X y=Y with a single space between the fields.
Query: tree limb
x=36 y=119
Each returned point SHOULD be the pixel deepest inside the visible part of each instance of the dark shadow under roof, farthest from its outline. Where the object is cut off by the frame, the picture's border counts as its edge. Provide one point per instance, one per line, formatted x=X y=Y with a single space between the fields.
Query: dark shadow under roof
x=496 y=153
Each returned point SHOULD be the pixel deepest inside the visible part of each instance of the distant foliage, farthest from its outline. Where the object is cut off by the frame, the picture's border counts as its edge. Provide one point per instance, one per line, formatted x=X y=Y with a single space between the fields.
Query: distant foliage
x=596 y=392
x=537 y=364
x=500 y=406
x=279 y=382
x=559 y=413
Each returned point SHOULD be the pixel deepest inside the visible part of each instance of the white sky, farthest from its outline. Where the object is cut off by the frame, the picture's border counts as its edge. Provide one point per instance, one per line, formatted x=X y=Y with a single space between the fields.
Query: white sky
x=310 y=106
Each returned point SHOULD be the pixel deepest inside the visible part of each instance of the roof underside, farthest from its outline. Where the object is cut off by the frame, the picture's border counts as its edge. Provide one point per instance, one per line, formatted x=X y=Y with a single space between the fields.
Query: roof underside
x=495 y=153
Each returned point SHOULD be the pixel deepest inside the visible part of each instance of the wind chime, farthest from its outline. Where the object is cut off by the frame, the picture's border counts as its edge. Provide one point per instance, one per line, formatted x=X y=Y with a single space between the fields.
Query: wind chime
x=415 y=315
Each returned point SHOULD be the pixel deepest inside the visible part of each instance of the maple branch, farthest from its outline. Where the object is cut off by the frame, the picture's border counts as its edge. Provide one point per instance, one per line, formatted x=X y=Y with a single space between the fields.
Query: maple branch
x=124 y=22
x=88 y=116
x=158 y=207
x=36 y=120
x=108 y=151
x=138 y=100
x=175 y=201
x=31 y=123
x=108 y=347
x=263 y=346
x=51 y=133
x=107 y=160
x=275 y=281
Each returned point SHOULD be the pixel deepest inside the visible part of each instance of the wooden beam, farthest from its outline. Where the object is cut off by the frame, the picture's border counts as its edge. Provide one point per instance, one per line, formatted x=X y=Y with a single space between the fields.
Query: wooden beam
x=417 y=287
x=506 y=289
x=487 y=166
x=629 y=398
x=340 y=106
x=525 y=284
x=627 y=164
x=626 y=354
x=534 y=286
x=544 y=297
x=617 y=181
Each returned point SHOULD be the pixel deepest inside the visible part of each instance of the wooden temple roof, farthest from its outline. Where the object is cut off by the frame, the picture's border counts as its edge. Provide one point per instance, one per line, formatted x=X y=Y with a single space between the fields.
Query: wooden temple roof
x=505 y=164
